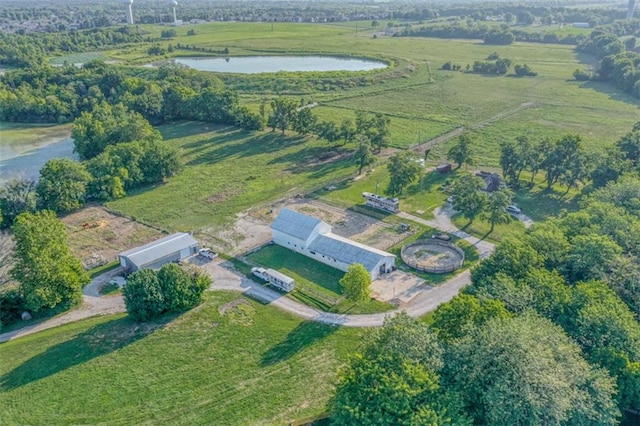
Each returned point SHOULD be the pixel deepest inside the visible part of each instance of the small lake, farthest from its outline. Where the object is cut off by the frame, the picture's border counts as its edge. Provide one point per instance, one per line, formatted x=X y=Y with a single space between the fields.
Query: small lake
x=260 y=64
x=16 y=163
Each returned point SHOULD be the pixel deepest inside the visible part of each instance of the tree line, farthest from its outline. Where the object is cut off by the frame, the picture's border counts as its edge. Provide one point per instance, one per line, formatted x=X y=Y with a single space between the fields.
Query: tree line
x=564 y=160
x=503 y=34
x=46 y=94
x=28 y=50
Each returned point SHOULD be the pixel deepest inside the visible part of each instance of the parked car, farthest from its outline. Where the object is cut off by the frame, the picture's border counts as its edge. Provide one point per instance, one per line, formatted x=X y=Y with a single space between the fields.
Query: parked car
x=208 y=253
x=441 y=236
x=513 y=209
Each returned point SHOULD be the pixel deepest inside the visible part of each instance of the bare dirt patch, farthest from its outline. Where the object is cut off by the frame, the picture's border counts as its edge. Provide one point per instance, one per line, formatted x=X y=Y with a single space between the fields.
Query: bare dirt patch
x=252 y=229
x=96 y=236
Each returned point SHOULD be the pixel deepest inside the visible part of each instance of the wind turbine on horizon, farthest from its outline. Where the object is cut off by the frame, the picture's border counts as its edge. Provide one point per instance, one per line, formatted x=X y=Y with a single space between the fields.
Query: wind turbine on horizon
x=129 y=4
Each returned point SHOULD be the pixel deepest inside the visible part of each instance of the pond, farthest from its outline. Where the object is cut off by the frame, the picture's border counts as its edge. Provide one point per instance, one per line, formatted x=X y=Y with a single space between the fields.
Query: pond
x=22 y=156
x=261 y=64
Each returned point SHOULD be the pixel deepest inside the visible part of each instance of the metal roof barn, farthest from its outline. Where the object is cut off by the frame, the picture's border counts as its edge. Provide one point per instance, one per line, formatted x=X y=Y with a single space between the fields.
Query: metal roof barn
x=296 y=224
x=153 y=255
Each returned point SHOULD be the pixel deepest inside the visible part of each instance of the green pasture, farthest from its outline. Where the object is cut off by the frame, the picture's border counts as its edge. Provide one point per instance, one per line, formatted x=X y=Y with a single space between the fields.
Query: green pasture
x=422 y=100
x=316 y=283
x=419 y=199
x=252 y=364
x=480 y=228
x=228 y=171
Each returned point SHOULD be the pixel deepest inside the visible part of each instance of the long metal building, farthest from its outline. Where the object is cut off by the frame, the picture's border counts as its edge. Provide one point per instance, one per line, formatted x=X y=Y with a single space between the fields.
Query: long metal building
x=153 y=255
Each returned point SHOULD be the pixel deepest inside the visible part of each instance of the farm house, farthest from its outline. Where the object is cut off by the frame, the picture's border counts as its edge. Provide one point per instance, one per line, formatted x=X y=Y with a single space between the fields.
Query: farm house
x=171 y=248
x=313 y=238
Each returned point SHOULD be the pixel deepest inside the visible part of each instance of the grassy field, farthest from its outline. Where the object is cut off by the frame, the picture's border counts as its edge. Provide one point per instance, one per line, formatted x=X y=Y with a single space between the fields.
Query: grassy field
x=254 y=364
x=419 y=199
x=228 y=171
x=317 y=284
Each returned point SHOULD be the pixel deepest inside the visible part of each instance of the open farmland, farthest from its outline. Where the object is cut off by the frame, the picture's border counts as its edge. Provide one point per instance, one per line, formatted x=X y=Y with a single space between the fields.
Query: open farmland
x=228 y=171
x=226 y=363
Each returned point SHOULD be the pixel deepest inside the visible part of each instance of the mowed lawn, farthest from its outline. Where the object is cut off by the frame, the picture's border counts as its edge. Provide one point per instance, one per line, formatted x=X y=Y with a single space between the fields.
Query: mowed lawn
x=317 y=284
x=228 y=171
x=253 y=365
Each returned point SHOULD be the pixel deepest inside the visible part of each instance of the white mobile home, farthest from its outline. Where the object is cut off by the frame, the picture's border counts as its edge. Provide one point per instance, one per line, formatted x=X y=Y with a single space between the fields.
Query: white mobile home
x=275 y=278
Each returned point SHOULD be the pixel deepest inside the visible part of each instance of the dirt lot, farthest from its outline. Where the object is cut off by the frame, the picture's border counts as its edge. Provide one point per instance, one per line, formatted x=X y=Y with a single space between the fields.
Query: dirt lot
x=251 y=229
x=96 y=236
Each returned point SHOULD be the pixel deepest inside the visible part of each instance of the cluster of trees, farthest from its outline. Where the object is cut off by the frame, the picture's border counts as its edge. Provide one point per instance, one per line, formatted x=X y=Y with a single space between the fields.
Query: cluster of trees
x=477 y=363
x=471 y=202
x=493 y=65
x=368 y=131
x=548 y=332
x=149 y=294
x=120 y=151
x=46 y=94
x=500 y=35
x=499 y=66
x=564 y=160
x=619 y=62
x=31 y=49
x=49 y=276
x=195 y=48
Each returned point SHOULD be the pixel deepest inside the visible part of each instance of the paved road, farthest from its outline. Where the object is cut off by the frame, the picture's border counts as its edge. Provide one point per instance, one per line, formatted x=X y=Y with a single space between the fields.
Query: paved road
x=225 y=278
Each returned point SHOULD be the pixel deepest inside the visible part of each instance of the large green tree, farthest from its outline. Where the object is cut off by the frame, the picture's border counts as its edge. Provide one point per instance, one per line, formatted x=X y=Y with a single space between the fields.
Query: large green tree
x=63 y=185
x=143 y=295
x=356 y=283
x=363 y=155
x=404 y=169
x=461 y=153
x=394 y=381
x=467 y=199
x=49 y=275
x=527 y=371
x=495 y=209
x=181 y=290
x=283 y=112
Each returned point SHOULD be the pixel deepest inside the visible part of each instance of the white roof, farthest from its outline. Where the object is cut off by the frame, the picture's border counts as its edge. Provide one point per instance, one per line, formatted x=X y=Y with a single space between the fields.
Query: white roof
x=156 y=250
x=296 y=224
x=348 y=251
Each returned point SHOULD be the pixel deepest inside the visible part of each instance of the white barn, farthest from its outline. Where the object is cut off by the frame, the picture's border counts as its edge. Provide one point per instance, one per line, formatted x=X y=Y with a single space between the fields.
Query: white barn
x=153 y=255
x=313 y=238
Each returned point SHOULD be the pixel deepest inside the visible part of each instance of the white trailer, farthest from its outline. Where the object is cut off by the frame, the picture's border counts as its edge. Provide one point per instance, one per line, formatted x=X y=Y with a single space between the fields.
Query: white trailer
x=275 y=278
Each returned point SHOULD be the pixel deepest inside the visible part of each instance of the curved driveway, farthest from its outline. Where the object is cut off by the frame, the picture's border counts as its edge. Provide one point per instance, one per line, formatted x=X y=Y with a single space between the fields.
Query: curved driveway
x=225 y=278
